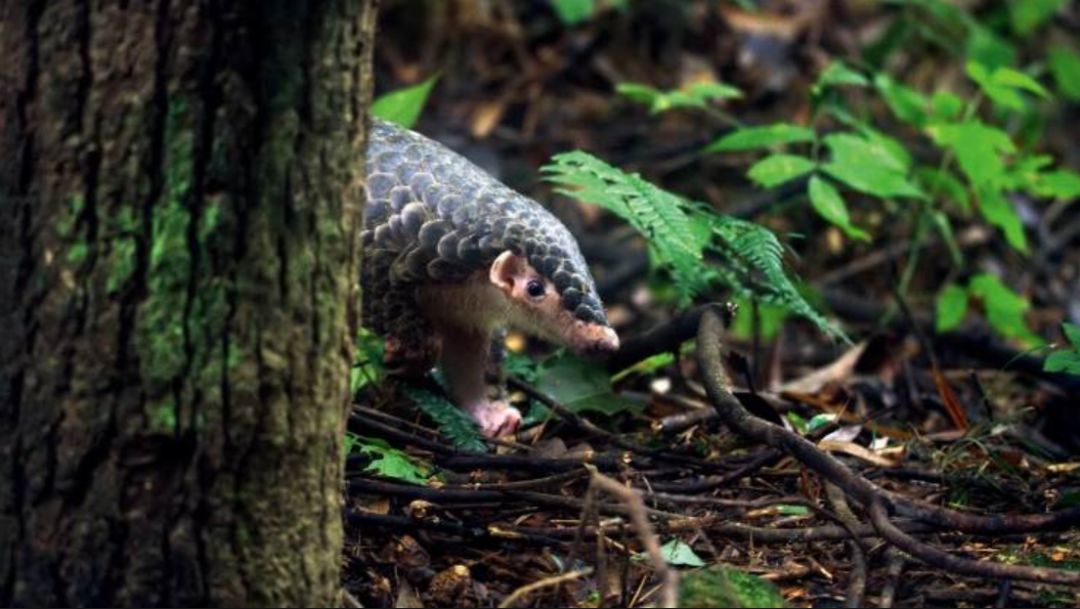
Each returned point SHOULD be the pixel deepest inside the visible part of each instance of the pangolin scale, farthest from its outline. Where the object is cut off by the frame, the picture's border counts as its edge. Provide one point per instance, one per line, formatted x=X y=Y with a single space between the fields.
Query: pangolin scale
x=434 y=216
x=452 y=257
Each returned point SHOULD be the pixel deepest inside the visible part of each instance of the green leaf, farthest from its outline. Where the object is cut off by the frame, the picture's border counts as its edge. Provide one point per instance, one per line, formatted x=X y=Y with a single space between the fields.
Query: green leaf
x=837 y=73
x=1009 y=77
x=868 y=166
x=1026 y=15
x=581 y=386
x=710 y=91
x=778 y=168
x=818 y=421
x=1065 y=67
x=1072 y=332
x=391 y=462
x=696 y=95
x=751 y=138
x=679 y=554
x=722 y=586
x=785 y=509
x=641 y=93
x=404 y=105
x=907 y=104
x=978 y=148
x=952 y=304
x=1066 y=360
x=1004 y=308
x=573 y=12
x=1062 y=184
x=1000 y=212
x=828 y=203
x=452 y=422
x=1003 y=84
x=946 y=106
x=646 y=366
x=367 y=366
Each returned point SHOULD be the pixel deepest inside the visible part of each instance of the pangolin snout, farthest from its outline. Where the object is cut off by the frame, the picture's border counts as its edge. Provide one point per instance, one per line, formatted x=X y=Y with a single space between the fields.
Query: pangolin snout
x=597 y=340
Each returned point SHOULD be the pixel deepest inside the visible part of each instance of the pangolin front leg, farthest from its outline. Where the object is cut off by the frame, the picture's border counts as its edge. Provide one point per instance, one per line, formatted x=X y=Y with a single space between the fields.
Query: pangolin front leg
x=464 y=359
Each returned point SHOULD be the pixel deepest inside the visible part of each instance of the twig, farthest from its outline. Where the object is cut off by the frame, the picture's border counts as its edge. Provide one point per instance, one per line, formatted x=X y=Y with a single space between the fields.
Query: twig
x=856 y=588
x=638 y=517
x=547 y=582
x=876 y=500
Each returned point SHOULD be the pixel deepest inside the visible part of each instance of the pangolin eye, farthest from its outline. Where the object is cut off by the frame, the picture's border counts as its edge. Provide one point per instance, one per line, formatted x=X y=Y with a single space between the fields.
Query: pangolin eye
x=535 y=289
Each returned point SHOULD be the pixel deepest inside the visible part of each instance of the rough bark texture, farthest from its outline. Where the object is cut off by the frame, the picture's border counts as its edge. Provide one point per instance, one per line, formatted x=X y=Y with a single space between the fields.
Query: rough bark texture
x=180 y=198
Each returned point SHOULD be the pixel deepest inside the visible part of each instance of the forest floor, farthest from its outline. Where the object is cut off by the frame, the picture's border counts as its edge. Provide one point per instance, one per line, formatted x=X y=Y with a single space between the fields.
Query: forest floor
x=912 y=466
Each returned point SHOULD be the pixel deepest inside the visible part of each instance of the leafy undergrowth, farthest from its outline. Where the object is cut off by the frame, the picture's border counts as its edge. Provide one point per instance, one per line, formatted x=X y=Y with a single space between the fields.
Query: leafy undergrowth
x=433 y=521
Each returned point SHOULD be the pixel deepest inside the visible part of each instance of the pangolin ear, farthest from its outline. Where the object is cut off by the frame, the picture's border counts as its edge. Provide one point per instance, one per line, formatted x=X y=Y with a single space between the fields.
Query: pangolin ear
x=506 y=268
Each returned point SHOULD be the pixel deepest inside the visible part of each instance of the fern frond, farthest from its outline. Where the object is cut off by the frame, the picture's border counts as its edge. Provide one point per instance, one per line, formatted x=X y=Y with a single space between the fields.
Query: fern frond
x=756 y=261
x=452 y=422
x=655 y=213
x=679 y=232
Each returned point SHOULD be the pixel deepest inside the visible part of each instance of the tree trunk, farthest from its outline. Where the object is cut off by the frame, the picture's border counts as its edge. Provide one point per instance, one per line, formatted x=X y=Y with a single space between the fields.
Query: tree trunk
x=180 y=198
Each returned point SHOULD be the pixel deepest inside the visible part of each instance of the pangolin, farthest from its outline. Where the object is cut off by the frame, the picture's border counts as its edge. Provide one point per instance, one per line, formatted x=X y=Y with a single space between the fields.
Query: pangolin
x=452 y=257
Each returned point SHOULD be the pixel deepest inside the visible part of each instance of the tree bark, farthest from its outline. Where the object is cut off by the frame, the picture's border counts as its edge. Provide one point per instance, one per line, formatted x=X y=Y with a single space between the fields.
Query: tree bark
x=180 y=198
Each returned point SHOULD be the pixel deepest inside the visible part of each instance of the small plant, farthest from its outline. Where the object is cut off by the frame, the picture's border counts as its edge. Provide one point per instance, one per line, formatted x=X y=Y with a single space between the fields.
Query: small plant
x=697 y=246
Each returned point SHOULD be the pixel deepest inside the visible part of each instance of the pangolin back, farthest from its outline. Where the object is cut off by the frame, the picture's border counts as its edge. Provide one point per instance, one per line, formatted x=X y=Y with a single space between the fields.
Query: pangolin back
x=433 y=216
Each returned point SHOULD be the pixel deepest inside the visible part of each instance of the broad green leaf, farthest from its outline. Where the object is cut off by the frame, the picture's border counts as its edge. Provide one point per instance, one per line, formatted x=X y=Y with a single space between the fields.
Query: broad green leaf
x=778 y=168
x=1066 y=360
x=978 y=148
x=404 y=105
x=1005 y=309
x=638 y=92
x=997 y=210
x=678 y=554
x=838 y=73
x=1062 y=184
x=573 y=12
x=1002 y=95
x=906 y=103
x=952 y=303
x=946 y=106
x=828 y=203
x=1072 y=332
x=868 y=166
x=391 y=462
x=1063 y=361
x=581 y=386
x=752 y=138
x=1014 y=78
x=723 y=586
x=1026 y=15
x=1002 y=85
x=1065 y=66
